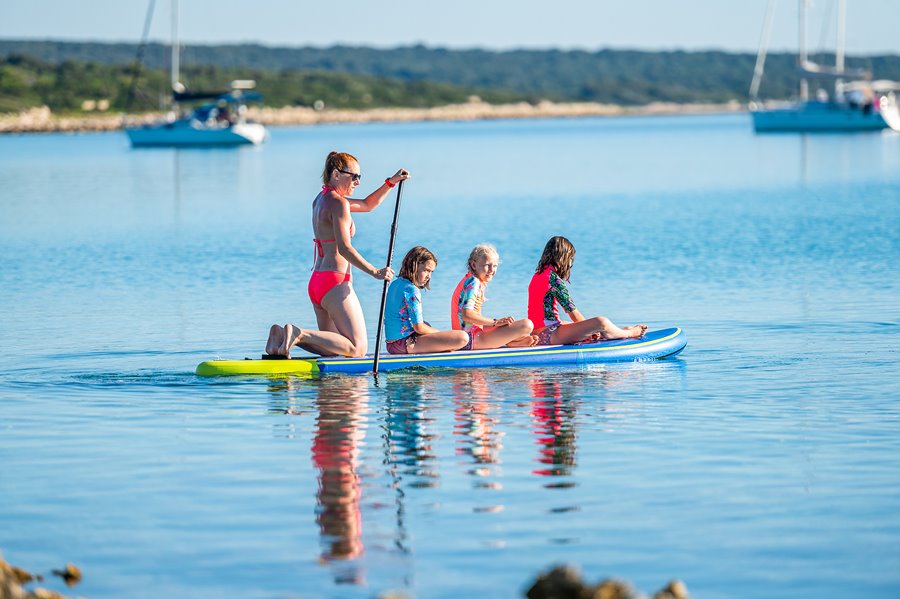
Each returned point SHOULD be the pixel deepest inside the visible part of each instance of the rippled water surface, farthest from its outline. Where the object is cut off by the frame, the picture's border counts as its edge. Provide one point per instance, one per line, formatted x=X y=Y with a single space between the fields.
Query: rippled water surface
x=764 y=461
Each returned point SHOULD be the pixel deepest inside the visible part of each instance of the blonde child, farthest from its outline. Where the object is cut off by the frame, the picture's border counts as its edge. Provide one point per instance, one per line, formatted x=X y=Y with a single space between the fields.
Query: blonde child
x=468 y=299
x=547 y=291
x=405 y=328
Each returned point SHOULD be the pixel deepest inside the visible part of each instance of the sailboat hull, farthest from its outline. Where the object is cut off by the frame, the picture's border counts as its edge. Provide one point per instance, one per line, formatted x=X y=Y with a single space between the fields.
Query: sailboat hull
x=817 y=117
x=192 y=133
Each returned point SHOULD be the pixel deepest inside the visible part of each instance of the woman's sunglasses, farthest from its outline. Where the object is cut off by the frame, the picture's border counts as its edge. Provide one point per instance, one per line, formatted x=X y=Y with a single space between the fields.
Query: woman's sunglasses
x=356 y=176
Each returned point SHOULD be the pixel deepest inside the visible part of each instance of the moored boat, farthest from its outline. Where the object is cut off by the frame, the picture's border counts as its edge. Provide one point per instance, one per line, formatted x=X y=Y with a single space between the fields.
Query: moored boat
x=219 y=122
x=855 y=103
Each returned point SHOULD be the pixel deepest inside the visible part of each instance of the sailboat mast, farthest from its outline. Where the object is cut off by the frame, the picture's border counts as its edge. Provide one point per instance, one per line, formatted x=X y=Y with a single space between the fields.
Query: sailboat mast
x=804 y=84
x=839 y=48
x=175 y=49
x=841 y=34
x=763 y=50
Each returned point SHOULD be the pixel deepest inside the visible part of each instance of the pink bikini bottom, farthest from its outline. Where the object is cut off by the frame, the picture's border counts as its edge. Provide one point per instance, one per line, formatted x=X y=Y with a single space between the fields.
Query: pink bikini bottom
x=323 y=281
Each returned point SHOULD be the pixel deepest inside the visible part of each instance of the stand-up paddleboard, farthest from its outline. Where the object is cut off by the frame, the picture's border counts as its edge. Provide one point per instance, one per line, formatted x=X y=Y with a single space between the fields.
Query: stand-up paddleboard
x=652 y=346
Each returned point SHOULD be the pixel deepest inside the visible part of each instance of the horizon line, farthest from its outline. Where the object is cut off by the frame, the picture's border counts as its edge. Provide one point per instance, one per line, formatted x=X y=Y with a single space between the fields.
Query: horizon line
x=563 y=49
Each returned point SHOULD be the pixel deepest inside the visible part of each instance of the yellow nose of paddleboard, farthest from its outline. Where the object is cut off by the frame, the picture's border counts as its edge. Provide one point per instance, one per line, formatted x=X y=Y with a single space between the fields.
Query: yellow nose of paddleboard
x=258 y=367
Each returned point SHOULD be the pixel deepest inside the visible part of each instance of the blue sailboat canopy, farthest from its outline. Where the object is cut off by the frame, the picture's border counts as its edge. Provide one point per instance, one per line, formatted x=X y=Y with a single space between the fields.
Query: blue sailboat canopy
x=232 y=97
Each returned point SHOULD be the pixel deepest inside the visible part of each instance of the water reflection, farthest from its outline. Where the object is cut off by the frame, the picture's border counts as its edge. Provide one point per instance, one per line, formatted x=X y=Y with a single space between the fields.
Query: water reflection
x=339 y=434
x=553 y=414
x=558 y=400
x=414 y=419
x=475 y=424
x=409 y=432
x=340 y=405
x=477 y=437
x=408 y=445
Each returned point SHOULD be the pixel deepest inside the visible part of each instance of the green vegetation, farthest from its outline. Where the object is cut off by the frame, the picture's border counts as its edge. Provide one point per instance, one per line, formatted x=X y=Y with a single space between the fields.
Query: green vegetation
x=27 y=82
x=64 y=74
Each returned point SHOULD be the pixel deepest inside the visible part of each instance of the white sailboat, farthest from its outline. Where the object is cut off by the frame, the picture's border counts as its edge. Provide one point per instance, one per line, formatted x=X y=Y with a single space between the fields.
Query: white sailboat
x=856 y=104
x=219 y=122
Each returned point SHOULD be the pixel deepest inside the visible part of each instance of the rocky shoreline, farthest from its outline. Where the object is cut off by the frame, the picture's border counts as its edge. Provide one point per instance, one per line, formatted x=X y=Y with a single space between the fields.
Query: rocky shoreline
x=42 y=120
x=560 y=582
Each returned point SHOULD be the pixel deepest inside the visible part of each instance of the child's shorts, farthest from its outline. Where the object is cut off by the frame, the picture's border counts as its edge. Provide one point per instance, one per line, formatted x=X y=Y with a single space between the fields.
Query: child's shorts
x=400 y=346
x=471 y=332
x=546 y=333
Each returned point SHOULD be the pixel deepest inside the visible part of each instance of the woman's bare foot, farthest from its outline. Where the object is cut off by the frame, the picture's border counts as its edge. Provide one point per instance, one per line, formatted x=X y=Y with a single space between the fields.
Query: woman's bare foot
x=275 y=340
x=636 y=331
x=526 y=341
x=291 y=336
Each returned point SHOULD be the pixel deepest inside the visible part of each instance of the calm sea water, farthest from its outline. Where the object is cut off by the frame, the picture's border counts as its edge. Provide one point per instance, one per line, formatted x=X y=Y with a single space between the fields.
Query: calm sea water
x=763 y=462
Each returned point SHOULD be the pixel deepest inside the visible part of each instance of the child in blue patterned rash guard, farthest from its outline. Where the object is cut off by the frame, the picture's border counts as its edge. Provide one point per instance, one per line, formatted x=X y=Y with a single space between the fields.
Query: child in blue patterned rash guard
x=404 y=324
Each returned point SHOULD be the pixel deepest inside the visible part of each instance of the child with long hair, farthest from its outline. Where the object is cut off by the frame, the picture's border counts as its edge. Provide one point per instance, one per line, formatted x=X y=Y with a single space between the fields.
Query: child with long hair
x=405 y=328
x=468 y=298
x=547 y=292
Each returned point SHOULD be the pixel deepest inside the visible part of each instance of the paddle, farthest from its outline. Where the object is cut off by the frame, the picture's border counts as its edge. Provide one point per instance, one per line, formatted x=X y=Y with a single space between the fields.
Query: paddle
x=390 y=257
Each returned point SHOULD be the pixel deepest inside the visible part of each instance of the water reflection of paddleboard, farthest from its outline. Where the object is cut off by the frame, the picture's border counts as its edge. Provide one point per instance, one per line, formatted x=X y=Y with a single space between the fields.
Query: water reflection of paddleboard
x=652 y=346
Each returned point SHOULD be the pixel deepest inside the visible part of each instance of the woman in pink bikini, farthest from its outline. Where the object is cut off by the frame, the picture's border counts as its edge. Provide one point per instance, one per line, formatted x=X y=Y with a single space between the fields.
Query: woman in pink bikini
x=342 y=329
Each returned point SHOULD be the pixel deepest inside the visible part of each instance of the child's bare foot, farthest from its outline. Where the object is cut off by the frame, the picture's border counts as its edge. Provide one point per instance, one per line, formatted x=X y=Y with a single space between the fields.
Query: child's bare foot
x=291 y=336
x=526 y=341
x=636 y=331
x=275 y=341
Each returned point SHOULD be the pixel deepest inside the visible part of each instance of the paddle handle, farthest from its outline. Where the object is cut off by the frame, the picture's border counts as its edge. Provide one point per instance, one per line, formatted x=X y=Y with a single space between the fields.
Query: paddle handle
x=390 y=258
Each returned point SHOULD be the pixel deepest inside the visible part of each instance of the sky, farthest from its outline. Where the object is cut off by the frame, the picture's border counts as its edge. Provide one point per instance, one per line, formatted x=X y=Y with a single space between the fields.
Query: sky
x=732 y=25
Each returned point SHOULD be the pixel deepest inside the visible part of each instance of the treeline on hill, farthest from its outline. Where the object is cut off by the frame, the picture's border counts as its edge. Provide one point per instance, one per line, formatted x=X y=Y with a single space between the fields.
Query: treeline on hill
x=26 y=82
x=357 y=77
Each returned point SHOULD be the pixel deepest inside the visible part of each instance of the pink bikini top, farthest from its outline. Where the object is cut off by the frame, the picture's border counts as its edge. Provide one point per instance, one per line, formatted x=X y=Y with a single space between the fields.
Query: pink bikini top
x=318 y=242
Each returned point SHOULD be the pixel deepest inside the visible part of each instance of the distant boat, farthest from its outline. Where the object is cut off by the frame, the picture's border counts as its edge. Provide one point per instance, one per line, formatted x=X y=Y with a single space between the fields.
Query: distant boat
x=856 y=104
x=219 y=122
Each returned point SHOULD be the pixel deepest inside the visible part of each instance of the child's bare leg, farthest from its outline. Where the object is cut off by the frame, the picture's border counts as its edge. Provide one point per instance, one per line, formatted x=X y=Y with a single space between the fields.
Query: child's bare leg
x=614 y=332
x=500 y=336
x=275 y=341
x=573 y=332
x=524 y=341
x=608 y=329
x=438 y=342
x=642 y=327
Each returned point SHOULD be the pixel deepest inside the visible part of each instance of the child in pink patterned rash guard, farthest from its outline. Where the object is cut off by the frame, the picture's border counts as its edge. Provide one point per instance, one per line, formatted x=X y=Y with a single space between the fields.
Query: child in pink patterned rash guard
x=468 y=299
x=547 y=292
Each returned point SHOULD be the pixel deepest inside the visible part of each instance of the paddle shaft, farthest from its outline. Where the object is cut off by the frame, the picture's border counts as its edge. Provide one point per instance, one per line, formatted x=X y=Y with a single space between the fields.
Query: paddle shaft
x=390 y=257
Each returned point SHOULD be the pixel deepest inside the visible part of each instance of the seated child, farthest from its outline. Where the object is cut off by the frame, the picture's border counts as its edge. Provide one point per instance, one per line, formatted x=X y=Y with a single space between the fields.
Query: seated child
x=405 y=328
x=548 y=290
x=468 y=298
